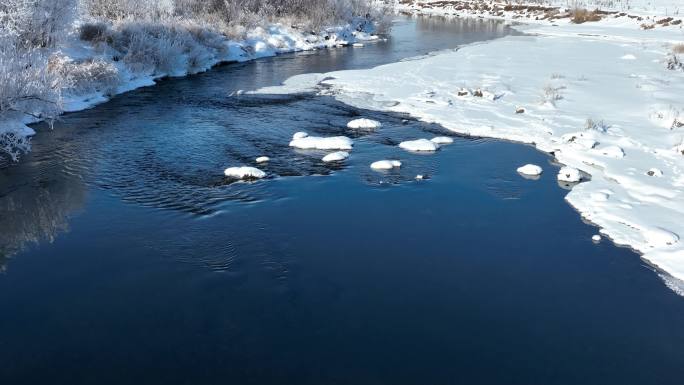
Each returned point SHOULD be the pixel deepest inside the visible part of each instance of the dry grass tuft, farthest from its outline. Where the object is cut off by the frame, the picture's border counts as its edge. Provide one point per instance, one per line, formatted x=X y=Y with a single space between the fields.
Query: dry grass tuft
x=582 y=15
x=678 y=48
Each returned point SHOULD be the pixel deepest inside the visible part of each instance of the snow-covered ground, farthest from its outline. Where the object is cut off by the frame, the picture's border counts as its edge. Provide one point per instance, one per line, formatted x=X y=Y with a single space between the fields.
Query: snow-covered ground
x=646 y=14
x=598 y=96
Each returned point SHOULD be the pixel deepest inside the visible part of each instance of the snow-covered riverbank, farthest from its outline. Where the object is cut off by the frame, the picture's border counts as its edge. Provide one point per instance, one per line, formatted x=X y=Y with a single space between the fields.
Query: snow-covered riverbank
x=104 y=75
x=599 y=97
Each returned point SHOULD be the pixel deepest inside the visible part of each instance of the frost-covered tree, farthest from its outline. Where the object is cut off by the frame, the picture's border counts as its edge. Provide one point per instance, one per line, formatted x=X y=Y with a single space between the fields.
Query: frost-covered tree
x=37 y=23
x=28 y=29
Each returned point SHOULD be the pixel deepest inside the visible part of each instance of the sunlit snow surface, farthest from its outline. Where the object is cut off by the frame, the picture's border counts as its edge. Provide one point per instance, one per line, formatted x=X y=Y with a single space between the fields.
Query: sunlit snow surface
x=322 y=143
x=530 y=169
x=419 y=145
x=335 y=156
x=244 y=172
x=385 y=164
x=608 y=117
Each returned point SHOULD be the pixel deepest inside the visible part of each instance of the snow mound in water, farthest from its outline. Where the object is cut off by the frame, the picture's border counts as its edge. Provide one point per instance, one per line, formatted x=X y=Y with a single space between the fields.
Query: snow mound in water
x=419 y=145
x=262 y=159
x=596 y=238
x=385 y=164
x=569 y=174
x=244 y=173
x=321 y=143
x=530 y=169
x=364 y=123
x=299 y=135
x=442 y=140
x=336 y=156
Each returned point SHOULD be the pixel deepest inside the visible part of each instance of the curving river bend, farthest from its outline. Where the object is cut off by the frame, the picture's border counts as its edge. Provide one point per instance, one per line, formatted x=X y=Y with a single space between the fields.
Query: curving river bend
x=129 y=258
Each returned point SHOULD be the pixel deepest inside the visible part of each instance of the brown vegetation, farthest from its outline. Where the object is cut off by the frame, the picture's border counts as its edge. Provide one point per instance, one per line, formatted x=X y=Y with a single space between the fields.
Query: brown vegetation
x=582 y=15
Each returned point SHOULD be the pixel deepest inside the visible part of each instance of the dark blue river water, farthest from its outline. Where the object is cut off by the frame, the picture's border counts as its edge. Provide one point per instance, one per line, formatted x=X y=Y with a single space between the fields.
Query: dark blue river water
x=129 y=259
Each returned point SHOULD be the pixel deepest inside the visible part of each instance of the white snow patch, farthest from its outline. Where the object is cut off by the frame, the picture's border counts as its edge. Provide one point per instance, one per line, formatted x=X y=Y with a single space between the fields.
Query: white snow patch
x=299 y=135
x=530 y=169
x=440 y=140
x=628 y=57
x=569 y=174
x=322 y=143
x=244 y=173
x=385 y=164
x=262 y=159
x=419 y=145
x=596 y=238
x=364 y=124
x=336 y=156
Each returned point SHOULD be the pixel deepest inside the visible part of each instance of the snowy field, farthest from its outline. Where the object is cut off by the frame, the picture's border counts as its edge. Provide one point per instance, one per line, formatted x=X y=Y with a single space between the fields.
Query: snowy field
x=603 y=97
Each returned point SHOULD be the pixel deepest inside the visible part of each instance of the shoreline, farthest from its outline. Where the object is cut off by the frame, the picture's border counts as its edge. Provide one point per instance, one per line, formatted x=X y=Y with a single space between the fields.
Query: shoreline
x=611 y=112
x=261 y=43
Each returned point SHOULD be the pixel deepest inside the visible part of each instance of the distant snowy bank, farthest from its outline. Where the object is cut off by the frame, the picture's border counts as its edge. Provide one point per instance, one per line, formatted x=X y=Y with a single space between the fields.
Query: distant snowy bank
x=604 y=98
x=643 y=14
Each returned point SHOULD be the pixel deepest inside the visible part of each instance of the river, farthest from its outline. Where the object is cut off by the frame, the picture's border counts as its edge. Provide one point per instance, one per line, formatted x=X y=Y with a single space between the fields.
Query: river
x=128 y=258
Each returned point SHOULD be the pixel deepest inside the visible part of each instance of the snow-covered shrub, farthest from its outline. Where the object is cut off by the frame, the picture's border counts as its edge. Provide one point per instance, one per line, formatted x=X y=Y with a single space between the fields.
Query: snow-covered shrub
x=88 y=76
x=151 y=48
x=207 y=38
x=27 y=87
x=113 y=10
x=310 y=14
x=674 y=62
x=27 y=91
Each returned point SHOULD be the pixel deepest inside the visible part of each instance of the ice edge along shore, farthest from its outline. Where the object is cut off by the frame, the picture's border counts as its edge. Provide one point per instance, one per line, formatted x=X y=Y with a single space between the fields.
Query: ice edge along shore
x=599 y=97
